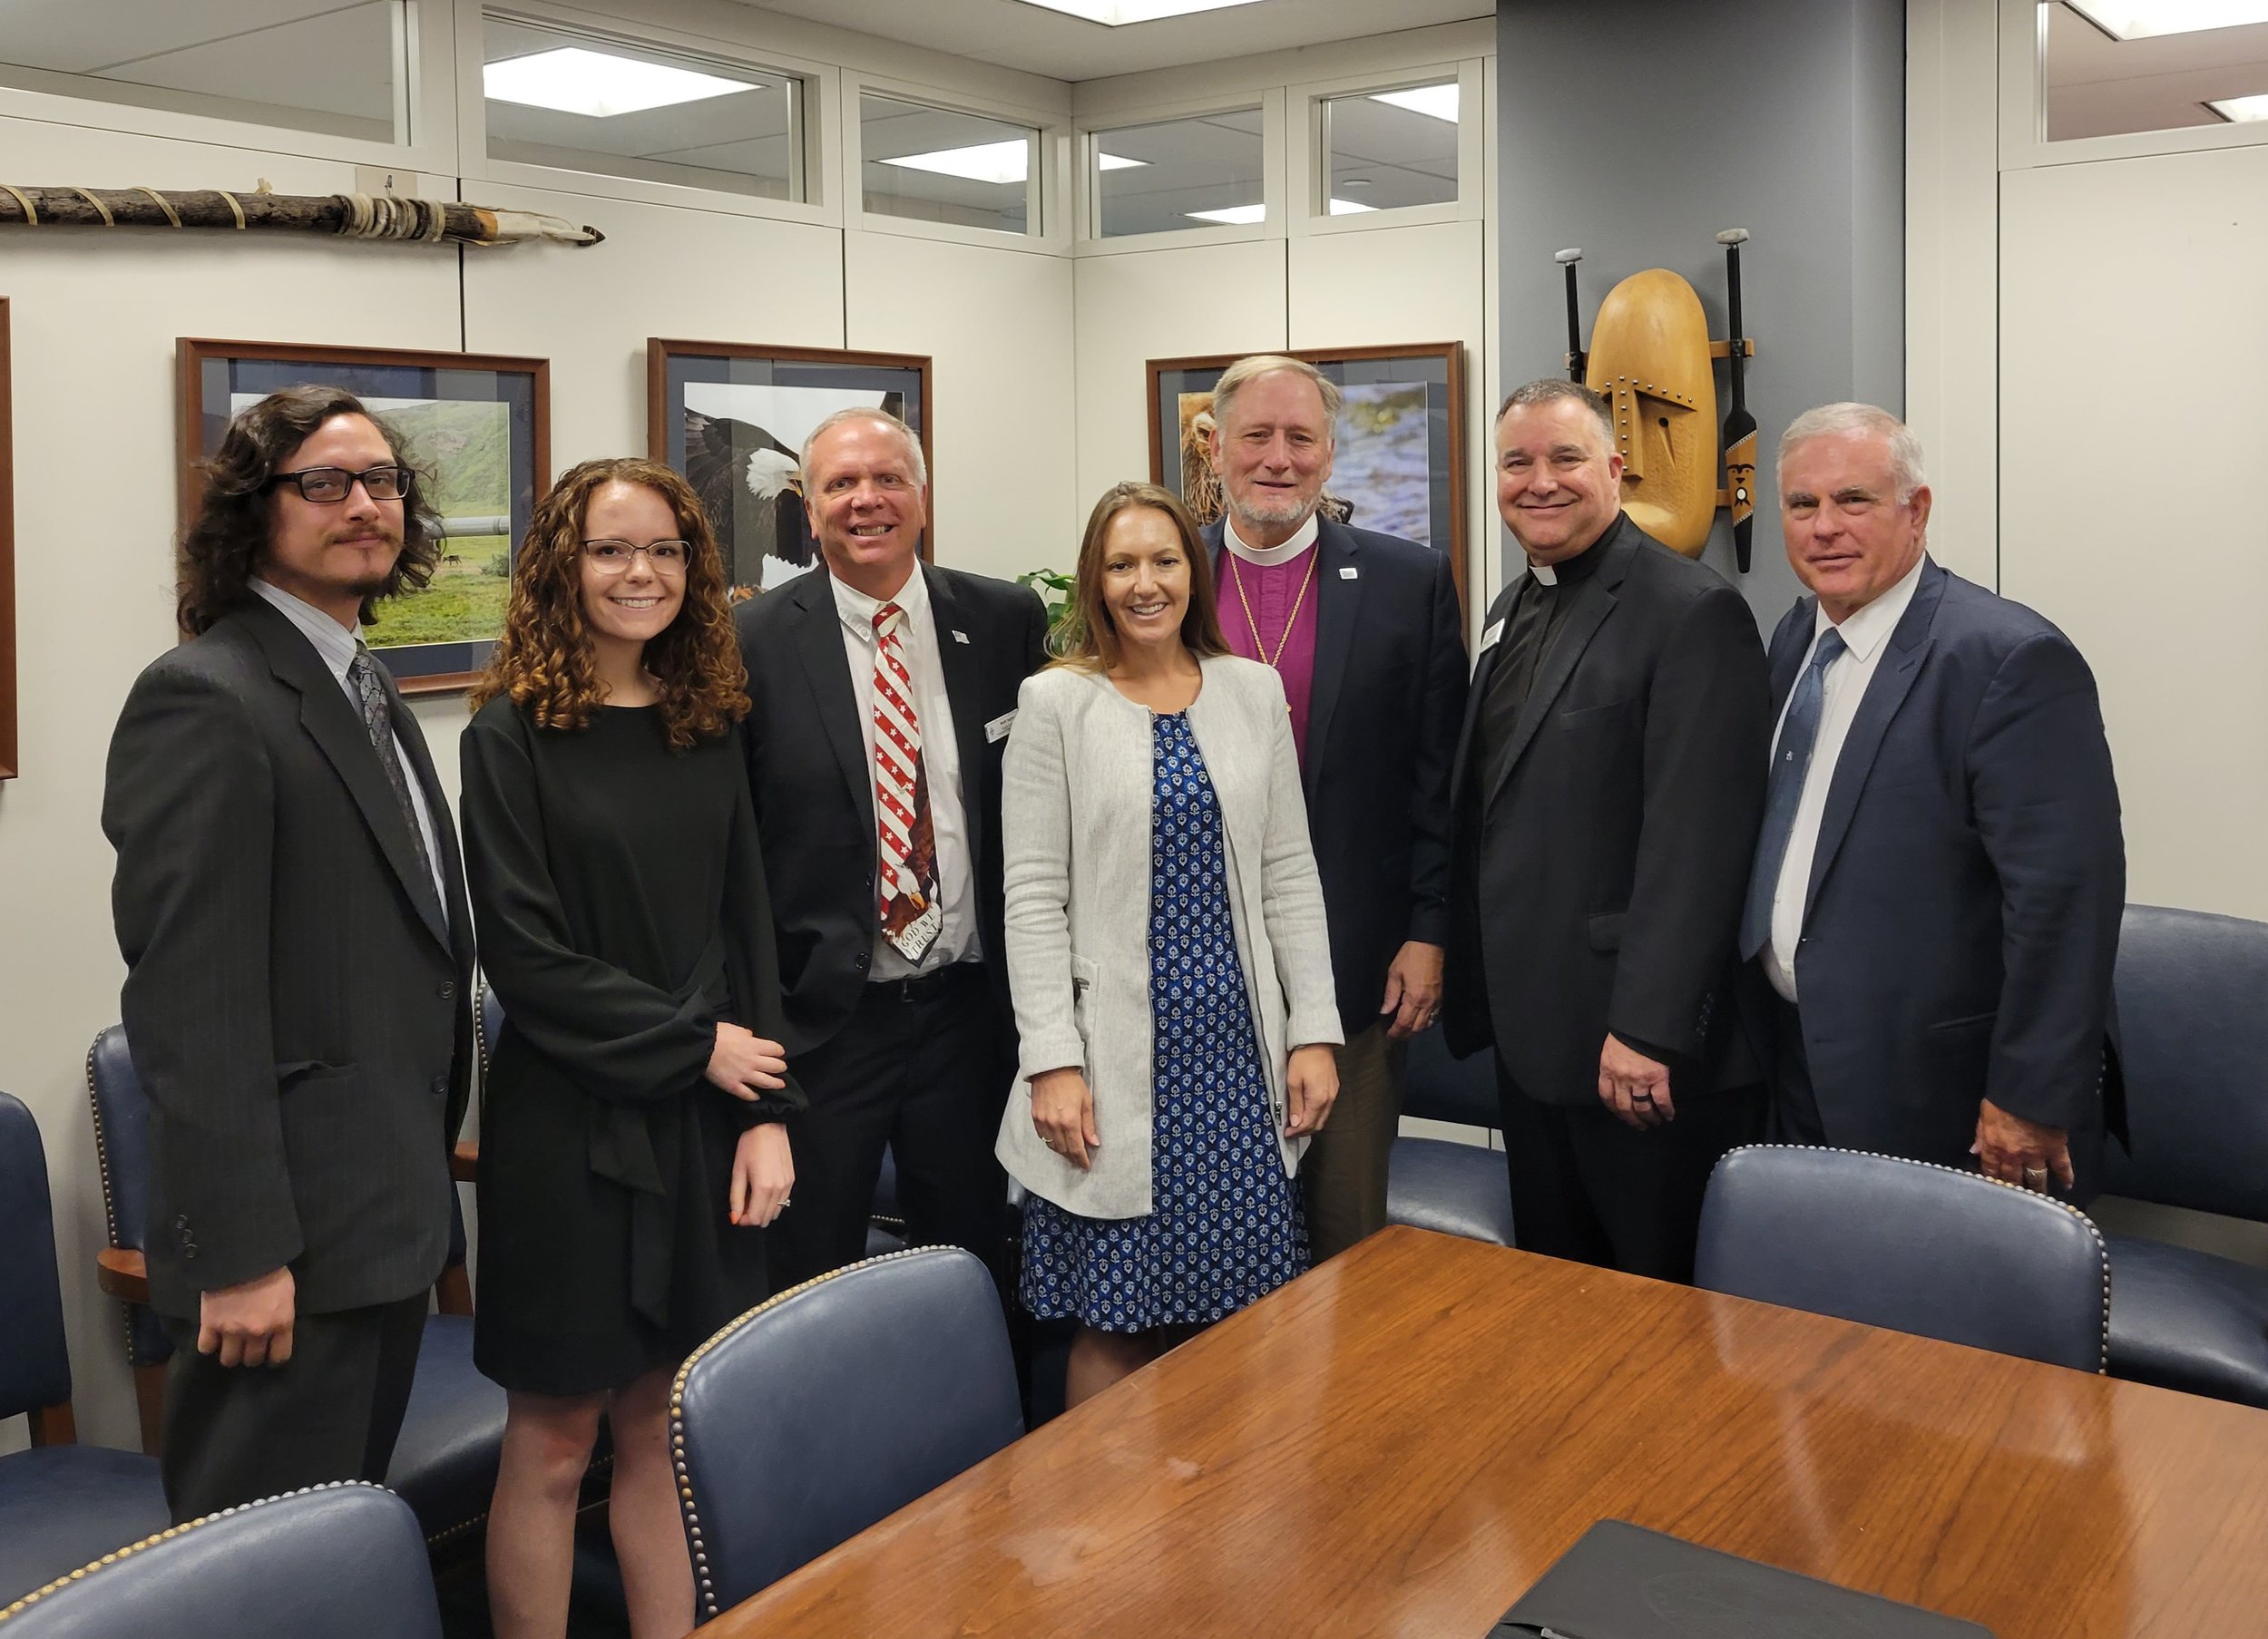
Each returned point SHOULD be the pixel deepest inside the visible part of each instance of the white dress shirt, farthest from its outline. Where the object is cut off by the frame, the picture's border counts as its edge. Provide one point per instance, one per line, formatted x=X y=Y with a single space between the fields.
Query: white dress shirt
x=1865 y=635
x=941 y=756
x=334 y=647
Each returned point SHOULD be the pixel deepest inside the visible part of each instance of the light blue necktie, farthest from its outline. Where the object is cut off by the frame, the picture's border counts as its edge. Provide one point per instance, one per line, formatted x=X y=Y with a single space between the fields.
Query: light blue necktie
x=1791 y=761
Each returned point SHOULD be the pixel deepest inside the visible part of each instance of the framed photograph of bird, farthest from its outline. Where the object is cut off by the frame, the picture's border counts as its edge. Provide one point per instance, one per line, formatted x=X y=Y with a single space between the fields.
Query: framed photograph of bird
x=478 y=429
x=733 y=417
x=1399 y=464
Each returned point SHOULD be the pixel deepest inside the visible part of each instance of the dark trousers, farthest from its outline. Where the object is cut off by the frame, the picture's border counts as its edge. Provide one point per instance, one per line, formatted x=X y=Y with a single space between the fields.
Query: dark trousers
x=1344 y=1173
x=234 y=1434
x=1587 y=1187
x=917 y=1067
x=1794 y=1108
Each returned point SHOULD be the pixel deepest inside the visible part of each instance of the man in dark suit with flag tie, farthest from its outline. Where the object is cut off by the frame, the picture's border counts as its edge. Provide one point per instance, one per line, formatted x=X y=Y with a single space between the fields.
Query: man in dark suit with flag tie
x=1364 y=630
x=1933 y=913
x=882 y=691
x=1606 y=794
x=290 y=904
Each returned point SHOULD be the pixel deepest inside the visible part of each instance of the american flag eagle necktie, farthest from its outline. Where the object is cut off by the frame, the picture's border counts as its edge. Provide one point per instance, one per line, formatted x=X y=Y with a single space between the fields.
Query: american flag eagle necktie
x=911 y=915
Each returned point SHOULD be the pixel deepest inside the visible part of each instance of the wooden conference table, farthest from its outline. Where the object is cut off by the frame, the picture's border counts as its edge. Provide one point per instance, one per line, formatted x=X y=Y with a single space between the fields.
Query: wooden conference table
x=1400 y=1442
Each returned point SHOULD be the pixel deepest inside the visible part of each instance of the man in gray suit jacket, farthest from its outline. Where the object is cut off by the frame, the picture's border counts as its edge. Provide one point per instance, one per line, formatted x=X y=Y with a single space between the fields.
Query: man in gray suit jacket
x=1934 y=908
x=291 y=908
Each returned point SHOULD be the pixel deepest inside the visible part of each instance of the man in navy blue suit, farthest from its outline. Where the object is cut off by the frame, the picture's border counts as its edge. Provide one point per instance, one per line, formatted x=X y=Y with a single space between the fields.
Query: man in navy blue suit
x=1934 y=908
x=1364 y=630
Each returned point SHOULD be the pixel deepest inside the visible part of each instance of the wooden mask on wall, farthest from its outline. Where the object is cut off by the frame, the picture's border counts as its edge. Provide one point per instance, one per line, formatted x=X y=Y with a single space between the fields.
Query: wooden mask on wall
x=1650 y=360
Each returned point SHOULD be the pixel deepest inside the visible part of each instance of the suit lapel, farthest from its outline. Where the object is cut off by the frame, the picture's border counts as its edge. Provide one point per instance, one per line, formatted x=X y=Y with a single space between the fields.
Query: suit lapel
x=1338 y=609
x=827 y=668
x=1594 y=601
x=459 y=938
x=338 y=732
x=963 y=666
x=1476 y=690
x=1894 y=680
x=1789 y=645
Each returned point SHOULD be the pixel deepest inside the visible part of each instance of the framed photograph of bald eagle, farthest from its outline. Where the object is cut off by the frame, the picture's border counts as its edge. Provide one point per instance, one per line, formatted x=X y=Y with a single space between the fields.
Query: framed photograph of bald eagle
x=1400 y=463
x=478 y=430
x=732 y=418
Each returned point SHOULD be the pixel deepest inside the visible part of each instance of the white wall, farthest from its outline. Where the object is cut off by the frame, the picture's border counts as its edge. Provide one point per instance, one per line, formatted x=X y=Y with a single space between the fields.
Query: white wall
x=1038 y=390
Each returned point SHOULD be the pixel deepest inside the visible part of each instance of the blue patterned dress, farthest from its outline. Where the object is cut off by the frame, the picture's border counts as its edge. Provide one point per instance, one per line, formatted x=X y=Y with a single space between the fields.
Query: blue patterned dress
x=1224 y=1227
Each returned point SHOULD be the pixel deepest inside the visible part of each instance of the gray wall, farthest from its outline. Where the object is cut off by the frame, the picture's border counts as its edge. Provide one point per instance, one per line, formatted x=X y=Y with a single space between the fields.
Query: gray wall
x=1637 y=129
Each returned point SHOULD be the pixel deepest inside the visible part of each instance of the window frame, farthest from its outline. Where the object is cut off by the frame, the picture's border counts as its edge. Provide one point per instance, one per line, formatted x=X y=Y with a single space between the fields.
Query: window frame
x=2023 y=81
x=1046 y=200
x=1309 y=162
x=822 y=89
x=428 y=66
x=1271 y=102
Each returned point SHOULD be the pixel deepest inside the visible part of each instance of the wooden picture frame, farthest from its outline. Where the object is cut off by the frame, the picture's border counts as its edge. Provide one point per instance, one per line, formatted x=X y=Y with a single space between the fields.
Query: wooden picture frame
x=703 y=401
x=9 y=750
x=1385 y=385
x=491 y=450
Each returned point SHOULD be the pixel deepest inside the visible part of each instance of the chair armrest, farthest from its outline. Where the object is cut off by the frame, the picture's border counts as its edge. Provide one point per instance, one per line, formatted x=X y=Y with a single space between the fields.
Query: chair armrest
x=464 y=1161
x=121 y=1271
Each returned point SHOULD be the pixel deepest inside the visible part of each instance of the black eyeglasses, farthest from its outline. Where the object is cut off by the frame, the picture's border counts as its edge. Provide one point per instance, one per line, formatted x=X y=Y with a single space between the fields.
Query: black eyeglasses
x=615 y=557
x=333 y=484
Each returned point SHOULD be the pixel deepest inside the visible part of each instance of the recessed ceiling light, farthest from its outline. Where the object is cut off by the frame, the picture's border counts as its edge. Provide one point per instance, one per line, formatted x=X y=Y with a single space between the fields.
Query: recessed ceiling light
x=2241 y=108
x=572 y=80
x=1117 y=14
x=1349 y=206
x=2140 y=19
x=985 y=163
x=1113 y=161
x=1439 y=101
x=1237 y=214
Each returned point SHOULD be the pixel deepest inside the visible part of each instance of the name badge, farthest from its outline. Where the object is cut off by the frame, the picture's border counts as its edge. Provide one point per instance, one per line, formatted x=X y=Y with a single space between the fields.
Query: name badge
x=1489 y=637
x=997 y=730
x=1348 y=573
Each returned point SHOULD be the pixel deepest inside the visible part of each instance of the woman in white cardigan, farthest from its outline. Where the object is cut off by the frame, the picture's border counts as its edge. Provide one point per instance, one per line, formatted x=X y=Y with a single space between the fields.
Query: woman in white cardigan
x=1168 y=952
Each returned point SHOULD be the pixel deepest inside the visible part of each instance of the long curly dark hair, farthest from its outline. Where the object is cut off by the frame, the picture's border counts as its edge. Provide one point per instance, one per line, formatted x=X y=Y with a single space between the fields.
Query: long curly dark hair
x=545 y=662
x=223 y=547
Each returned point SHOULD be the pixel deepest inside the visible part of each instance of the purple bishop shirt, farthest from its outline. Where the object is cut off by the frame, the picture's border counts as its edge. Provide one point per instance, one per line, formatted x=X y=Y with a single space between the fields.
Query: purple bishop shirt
x=1269 y=579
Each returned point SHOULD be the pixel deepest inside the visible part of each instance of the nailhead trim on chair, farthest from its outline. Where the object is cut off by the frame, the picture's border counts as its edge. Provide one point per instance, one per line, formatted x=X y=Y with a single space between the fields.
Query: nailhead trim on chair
x=2102 y=1248
x=677 y=1408
x=170 y=1533
x=103 y=1171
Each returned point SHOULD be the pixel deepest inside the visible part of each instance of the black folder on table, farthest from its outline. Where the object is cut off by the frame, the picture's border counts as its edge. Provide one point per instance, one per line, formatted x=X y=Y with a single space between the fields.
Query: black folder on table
x=1622 y=1581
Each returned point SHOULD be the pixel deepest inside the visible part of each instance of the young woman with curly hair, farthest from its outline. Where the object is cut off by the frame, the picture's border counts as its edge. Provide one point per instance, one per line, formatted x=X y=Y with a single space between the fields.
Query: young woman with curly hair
x=631 y=1145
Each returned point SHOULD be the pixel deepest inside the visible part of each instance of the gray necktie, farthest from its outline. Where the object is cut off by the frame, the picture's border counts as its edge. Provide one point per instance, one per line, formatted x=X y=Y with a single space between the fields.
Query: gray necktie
x=377 y=722
x=1791 y=761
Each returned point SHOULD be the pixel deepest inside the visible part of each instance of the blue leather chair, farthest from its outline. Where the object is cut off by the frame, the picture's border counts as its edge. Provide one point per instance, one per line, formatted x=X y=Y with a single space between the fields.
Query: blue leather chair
x=1909 y=1245
x=343 y=1558
x=2192 y=1036
x=837 y=1402
x=61 y=1504
x=1456 y=1189
x=445 y=1463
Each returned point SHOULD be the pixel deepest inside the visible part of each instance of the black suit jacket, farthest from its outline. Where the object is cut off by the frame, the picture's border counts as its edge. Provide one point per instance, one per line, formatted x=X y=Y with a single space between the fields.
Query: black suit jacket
x=807 y=766
x=1382 y=731
x=296 y=1008
x=1599 y=885
x=1962 y=916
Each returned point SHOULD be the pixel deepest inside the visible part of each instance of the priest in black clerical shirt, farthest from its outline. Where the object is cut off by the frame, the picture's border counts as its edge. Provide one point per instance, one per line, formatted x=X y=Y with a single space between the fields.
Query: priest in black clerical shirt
x=1608 y=789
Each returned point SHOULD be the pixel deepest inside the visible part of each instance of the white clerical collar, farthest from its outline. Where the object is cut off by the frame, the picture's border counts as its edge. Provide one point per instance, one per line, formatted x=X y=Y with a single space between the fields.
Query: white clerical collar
x=1544 y=574
x=856 y=610
x=1866 y=630
x=1269 y=557
x=334 y=644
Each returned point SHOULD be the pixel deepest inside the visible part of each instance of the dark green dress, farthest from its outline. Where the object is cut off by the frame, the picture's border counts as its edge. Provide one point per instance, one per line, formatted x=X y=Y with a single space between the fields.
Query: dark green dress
x=618 y=894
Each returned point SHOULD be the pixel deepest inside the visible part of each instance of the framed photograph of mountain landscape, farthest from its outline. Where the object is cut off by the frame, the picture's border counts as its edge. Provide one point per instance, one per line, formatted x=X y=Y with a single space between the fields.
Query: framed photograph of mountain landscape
x=478 y=430
x=732 y=418
x=1399 y=464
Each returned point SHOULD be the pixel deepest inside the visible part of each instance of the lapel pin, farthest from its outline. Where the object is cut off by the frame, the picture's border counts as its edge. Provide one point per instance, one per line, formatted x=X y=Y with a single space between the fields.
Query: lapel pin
x=1348 y=573
x=960 y=636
